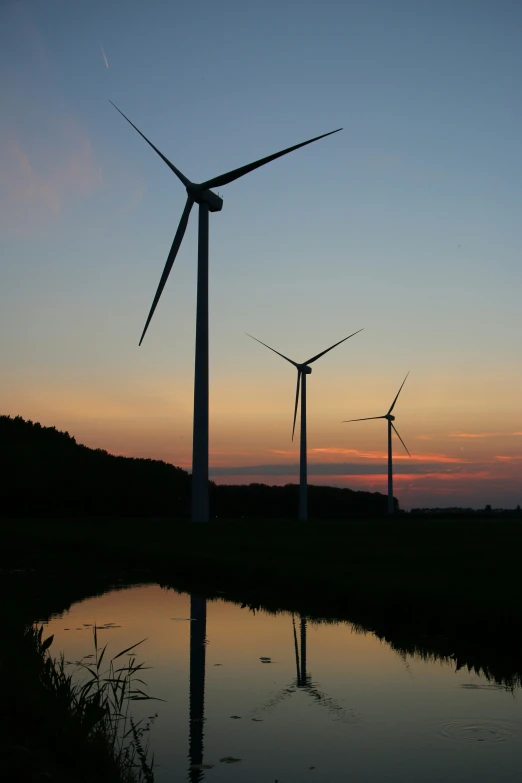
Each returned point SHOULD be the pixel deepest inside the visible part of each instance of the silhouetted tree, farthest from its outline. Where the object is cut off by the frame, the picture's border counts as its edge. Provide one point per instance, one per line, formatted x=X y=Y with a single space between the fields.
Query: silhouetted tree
x=45 y=472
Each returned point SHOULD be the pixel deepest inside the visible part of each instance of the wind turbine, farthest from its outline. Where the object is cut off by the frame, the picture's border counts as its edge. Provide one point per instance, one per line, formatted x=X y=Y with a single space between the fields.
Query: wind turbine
x=391 y=426
x=302 y=371
x=208 y=201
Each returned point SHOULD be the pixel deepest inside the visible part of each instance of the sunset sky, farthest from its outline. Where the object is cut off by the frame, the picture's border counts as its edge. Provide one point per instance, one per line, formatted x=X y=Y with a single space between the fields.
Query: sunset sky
x=407 y=223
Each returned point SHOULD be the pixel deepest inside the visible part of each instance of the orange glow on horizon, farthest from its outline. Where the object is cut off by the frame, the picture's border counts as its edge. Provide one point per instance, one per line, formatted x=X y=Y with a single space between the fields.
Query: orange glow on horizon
x=143 y=418
x=473 y=434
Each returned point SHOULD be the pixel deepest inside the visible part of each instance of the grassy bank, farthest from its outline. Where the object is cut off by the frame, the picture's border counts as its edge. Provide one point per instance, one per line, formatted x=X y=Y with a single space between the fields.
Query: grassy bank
x=445 y=576
x=59 y=722
x=443 y=587
x=57 y=727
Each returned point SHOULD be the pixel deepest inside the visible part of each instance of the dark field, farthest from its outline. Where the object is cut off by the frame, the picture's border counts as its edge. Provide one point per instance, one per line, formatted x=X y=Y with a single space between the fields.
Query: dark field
x=441 y=576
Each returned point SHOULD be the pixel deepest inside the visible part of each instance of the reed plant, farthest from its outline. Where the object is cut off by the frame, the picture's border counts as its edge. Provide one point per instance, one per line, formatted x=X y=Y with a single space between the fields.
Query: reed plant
x=96 y=696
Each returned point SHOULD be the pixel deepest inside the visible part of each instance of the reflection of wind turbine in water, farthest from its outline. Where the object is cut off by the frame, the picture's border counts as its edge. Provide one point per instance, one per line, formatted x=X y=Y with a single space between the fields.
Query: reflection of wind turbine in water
x=198 y=632
x=303 y=679
x=390 y=419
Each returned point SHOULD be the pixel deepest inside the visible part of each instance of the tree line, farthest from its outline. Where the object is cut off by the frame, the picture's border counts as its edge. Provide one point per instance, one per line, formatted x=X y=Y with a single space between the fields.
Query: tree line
x=45 y=472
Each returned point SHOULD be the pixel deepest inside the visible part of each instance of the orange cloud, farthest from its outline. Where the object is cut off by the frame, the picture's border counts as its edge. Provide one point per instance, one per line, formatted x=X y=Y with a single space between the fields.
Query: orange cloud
x=349 y=452
x=413 y=489
x=473 y=434
x=403 y=477
x=381 y=455
x=431 y=458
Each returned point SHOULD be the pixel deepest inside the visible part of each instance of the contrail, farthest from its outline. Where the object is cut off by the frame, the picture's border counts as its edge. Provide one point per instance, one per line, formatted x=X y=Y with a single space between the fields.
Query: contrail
x=104 y=57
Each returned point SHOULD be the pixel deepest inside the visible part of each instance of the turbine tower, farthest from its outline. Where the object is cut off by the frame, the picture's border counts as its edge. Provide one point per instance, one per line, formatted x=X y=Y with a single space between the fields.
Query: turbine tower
x=303 y=679
x=198 y=637
x=302 y=371
x=391 y=426
x=208 y=201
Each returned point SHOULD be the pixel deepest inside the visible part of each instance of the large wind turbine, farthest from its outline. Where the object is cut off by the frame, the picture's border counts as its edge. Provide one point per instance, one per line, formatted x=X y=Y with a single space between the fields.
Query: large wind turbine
x=208 y=201
x=390 y=419
x=302 y=371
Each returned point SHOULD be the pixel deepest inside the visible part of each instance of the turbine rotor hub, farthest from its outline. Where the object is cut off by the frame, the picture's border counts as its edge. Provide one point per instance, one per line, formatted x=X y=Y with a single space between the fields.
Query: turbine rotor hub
x=208 y=197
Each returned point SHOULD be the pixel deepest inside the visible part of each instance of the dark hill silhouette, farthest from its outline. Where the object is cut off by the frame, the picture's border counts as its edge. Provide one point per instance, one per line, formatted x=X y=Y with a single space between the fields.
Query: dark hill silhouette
x=45 y=472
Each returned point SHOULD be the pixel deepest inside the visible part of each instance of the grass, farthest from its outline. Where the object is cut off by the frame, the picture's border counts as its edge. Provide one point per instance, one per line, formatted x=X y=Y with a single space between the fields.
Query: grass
x=66 y=724
x=452 y=572
x=100 y=704
x=433 y=585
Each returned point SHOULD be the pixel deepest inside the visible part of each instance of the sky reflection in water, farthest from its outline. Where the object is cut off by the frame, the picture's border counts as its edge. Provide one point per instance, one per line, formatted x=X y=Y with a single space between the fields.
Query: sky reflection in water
x=358 y=712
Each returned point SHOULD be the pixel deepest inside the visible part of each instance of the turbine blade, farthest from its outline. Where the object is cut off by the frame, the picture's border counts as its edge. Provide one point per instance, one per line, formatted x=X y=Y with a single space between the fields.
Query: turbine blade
x=230 y=176
x=296 y=399
x=274 y=350
x=368 y=418
x=401 y=440
x=170 y=260
x=395 y=400
x=171 y=166
x=314 y=358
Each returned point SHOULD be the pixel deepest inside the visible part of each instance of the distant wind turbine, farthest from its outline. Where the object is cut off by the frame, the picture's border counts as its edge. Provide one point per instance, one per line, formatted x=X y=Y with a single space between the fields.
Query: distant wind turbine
x=390 y=419
x=302 y=371
x=208 y=201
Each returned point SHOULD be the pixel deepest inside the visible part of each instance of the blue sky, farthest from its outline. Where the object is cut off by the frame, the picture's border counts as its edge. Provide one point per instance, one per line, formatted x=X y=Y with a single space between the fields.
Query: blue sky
x=406 y=223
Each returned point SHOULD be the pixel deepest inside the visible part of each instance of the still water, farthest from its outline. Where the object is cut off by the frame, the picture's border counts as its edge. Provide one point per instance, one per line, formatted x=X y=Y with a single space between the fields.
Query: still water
x=291 y=700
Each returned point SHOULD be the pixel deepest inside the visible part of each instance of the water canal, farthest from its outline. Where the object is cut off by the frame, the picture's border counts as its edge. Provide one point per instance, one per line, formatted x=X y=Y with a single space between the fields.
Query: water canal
x=259 y=697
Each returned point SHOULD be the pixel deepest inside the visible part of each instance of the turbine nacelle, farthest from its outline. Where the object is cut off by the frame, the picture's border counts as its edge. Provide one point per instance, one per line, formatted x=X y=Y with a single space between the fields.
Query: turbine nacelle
x=208 y=197
x=302 y=369
x=390 y=418
x=201 y=193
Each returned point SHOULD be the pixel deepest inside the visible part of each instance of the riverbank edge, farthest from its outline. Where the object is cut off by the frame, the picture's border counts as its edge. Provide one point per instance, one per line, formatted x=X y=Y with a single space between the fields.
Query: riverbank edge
x=446 y=580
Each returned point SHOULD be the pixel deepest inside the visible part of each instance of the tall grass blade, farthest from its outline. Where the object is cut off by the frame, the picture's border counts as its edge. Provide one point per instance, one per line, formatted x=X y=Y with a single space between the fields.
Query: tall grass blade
x=127 y=649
